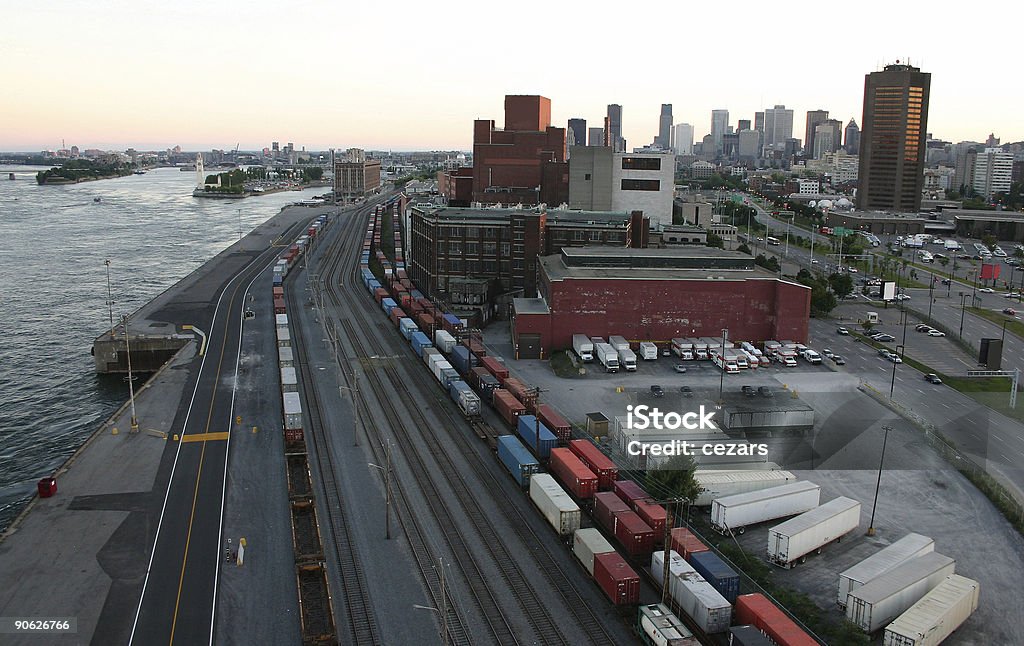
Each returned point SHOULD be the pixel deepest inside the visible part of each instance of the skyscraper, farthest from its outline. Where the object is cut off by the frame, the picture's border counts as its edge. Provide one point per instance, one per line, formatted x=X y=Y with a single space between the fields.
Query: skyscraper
x=892 y=150
x=993 y=169
x=596 y=137
x=851 y=141
x=615 y=139
x=742 y=124
x=719 y=124
x=828 y=136
x=664 y=138
x=778 y=126
x=577 y=133
x=682 y=139
x=814 y=117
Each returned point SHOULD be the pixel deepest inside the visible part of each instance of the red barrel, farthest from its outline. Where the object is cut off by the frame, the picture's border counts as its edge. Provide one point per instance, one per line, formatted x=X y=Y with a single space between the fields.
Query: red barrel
x=46 y=487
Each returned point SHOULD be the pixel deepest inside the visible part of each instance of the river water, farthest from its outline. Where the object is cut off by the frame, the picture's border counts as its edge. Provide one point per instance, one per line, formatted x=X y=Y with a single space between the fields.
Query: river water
x=53 y=303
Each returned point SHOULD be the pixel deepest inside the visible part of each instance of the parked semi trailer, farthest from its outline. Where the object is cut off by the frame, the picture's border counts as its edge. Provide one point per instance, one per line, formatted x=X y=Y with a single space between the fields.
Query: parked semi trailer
x=718 y=484
x=934 y=618
x=878 y=602
x=909 y=547
x=796 y=538
x=732 y=514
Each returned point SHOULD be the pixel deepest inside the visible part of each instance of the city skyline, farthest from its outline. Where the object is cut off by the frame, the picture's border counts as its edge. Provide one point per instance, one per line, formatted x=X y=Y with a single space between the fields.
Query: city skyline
x=206 y=77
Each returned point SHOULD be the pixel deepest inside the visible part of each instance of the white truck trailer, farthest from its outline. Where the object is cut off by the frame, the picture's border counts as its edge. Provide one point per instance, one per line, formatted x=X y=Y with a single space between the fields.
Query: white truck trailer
x=732 y=514
x=875 y=604
x=909 y=547
x=583 y=347
x=607 y=357
x=797 y=537
x=716 y=483
x=648 y=350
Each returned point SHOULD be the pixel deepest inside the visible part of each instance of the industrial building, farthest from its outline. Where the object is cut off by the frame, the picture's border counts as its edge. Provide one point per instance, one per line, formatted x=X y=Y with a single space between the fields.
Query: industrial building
x=603 y=180
x=355 y=175
x=655 y=295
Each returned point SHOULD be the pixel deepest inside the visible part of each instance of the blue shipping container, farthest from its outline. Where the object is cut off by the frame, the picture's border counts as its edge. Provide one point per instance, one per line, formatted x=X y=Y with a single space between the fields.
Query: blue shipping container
x=416 y=294
x=388 y=304
x=448 y=375
x=517 y=460
x=748 y=636
x=488 y=384
x=419 y=341
x=528 y=428
x=460 y=359
x=407 y=326
x=717 y=573
x=453 y=320
x=278 y=280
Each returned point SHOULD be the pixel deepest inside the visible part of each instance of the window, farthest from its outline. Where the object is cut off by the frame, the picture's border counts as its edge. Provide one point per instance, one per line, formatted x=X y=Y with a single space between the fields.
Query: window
x=595 y=236
x=641 y=163
x=454 y=266
x=518 y=249
x=506 y=248
x=586 y=176
x=490 y=267
x=454 y=248
x=490 y=248
x=517 y=264
x=471 y=248
x=472 y=232
x=641 y=185
x=577 y=235
x=518 y=235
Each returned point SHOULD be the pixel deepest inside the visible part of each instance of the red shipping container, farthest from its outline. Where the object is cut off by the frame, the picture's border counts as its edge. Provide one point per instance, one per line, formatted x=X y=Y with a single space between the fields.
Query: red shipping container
x=508 y=406
x=380 y=294
x=404 y=299
x=654 y=515
x=46 y=487
x=685 y=543
x=293 y=435
x=630 y=491
x=526 y=395
x=575 y=475
x=279 y=291
x=617 y=580
x=425 y=323
x=279 y=307
x=599 y=463
x=396 y=314
x=406 y=283
x=606 y=505
x=438 y=317
x=474 y=376
x=496 y=368
x=475 y=347
x=756 y=610
x=556 y=423
x=634 y=534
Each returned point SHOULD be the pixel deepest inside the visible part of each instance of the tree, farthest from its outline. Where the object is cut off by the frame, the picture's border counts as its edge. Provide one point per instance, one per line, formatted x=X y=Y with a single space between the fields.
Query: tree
x=715 y=240
x=867 y=325
x=989 y=241
x=823 y=301
x=943 y=261
x=674 y=480
x=743 y=248
x=841 y=284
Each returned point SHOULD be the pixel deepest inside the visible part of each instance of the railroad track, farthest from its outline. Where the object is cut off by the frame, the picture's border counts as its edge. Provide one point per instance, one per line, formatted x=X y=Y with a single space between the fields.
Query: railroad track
x=546 y=628
x=358 y=611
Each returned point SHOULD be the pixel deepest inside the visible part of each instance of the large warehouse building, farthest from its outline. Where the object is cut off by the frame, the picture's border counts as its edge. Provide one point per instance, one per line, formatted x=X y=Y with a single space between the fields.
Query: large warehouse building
x=655 y=295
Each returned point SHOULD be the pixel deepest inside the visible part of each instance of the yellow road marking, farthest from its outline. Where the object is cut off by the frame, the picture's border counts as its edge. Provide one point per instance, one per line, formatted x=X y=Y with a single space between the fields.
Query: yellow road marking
x=204 y=437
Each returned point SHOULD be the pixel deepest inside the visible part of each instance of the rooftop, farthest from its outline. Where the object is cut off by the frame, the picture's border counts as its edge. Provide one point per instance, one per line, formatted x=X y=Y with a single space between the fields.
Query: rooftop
x=994 y=216
x=686 y=263
x=530 y=305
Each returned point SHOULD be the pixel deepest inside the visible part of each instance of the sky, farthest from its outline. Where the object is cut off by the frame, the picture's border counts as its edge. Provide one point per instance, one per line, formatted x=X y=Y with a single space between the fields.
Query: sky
x=413 y=75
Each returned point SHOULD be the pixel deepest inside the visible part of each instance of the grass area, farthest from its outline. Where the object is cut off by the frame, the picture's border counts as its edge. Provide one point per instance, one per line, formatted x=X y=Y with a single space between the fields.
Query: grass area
x=562 y=366
x=1012 y=325
x=800 y=605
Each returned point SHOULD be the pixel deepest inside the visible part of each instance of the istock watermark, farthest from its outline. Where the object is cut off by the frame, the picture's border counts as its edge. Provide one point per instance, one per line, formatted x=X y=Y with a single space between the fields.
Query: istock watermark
x=644 y=417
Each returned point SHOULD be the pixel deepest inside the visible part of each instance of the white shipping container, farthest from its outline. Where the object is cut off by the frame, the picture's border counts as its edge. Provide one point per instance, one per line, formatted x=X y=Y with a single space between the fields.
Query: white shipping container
x=618 y=342
x=284 y=355
x=292 y=410
x=718 y=484
x=699 y=599
x=281 y=319
x=881 y=600
x=284 y=336
x=288 y=377
x=936 y=615
x=430 y=355
x=677 y=567
x=812 y=530
x=648 y=350
x=734 y=513
x=556 y=505
x=663 y=628
x=444 y=340
x=909 y=547
x=439 y=367
x=586 y=543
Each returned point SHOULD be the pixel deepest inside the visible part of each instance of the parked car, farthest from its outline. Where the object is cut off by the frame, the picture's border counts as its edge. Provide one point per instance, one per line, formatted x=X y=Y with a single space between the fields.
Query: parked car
x=657 y=391
x=903 y=297
x=1010 y=311
x=838 y=360
x=936 y=333
x=987 y=290
x=885 y=338
x=765 y=391
x=895 y=358
x=946 y=281
x=686 y=391
x=922 y=327
x=827 y=353
x=1012 y=295
x=748 y=391
x=680 y=368
x=932 y=378
x=884 y=352
x=842 y=331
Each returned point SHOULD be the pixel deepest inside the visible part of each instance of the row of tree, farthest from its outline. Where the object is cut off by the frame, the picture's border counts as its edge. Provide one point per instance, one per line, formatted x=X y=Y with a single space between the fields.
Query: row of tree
x=77 y=170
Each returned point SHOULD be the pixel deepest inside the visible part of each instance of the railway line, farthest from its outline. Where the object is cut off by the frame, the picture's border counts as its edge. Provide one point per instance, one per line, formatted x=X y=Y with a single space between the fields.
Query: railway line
x=357 y=340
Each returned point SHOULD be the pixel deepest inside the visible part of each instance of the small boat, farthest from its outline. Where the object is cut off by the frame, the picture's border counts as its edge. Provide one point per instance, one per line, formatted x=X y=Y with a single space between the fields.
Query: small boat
x=97 y=199
x=10 y=176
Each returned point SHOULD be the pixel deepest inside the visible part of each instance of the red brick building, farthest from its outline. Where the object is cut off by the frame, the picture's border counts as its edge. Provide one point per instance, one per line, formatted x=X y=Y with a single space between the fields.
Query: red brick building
x=456 y=185
x=656 y=295
x=524 y=162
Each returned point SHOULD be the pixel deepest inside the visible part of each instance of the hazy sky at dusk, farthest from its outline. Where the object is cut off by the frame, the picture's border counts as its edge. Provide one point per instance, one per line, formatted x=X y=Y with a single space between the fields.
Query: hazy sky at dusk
x=403 y=75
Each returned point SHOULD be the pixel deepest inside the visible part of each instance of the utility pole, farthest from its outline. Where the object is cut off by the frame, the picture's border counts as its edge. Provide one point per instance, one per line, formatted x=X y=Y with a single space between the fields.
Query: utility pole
x=878 y=483
x=110 y=300
x=386 y=470
x=671 y=508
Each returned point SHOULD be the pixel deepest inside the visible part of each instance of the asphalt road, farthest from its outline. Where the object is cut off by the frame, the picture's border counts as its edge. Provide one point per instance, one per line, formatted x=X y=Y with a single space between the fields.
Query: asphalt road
x=179 y=593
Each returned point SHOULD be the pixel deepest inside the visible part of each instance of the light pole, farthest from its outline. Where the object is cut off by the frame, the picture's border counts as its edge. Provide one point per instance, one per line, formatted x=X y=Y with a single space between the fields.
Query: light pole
x=963 y=300
x=1002 y=337
x=443 y=611
x=131 y=385
x=878 y=483
x=110 y=300
x=386 y=470
x=721 y=380
x=898 y=355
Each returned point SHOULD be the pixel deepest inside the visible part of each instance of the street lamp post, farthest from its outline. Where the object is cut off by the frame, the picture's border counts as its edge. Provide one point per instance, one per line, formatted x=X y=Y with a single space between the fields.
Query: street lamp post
x=721 y=380
x=131 y=385
x=442 y=612
x=898 y=355
x=963 y=309
x=386 y=470
x=878 y=483
x=110 y=300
